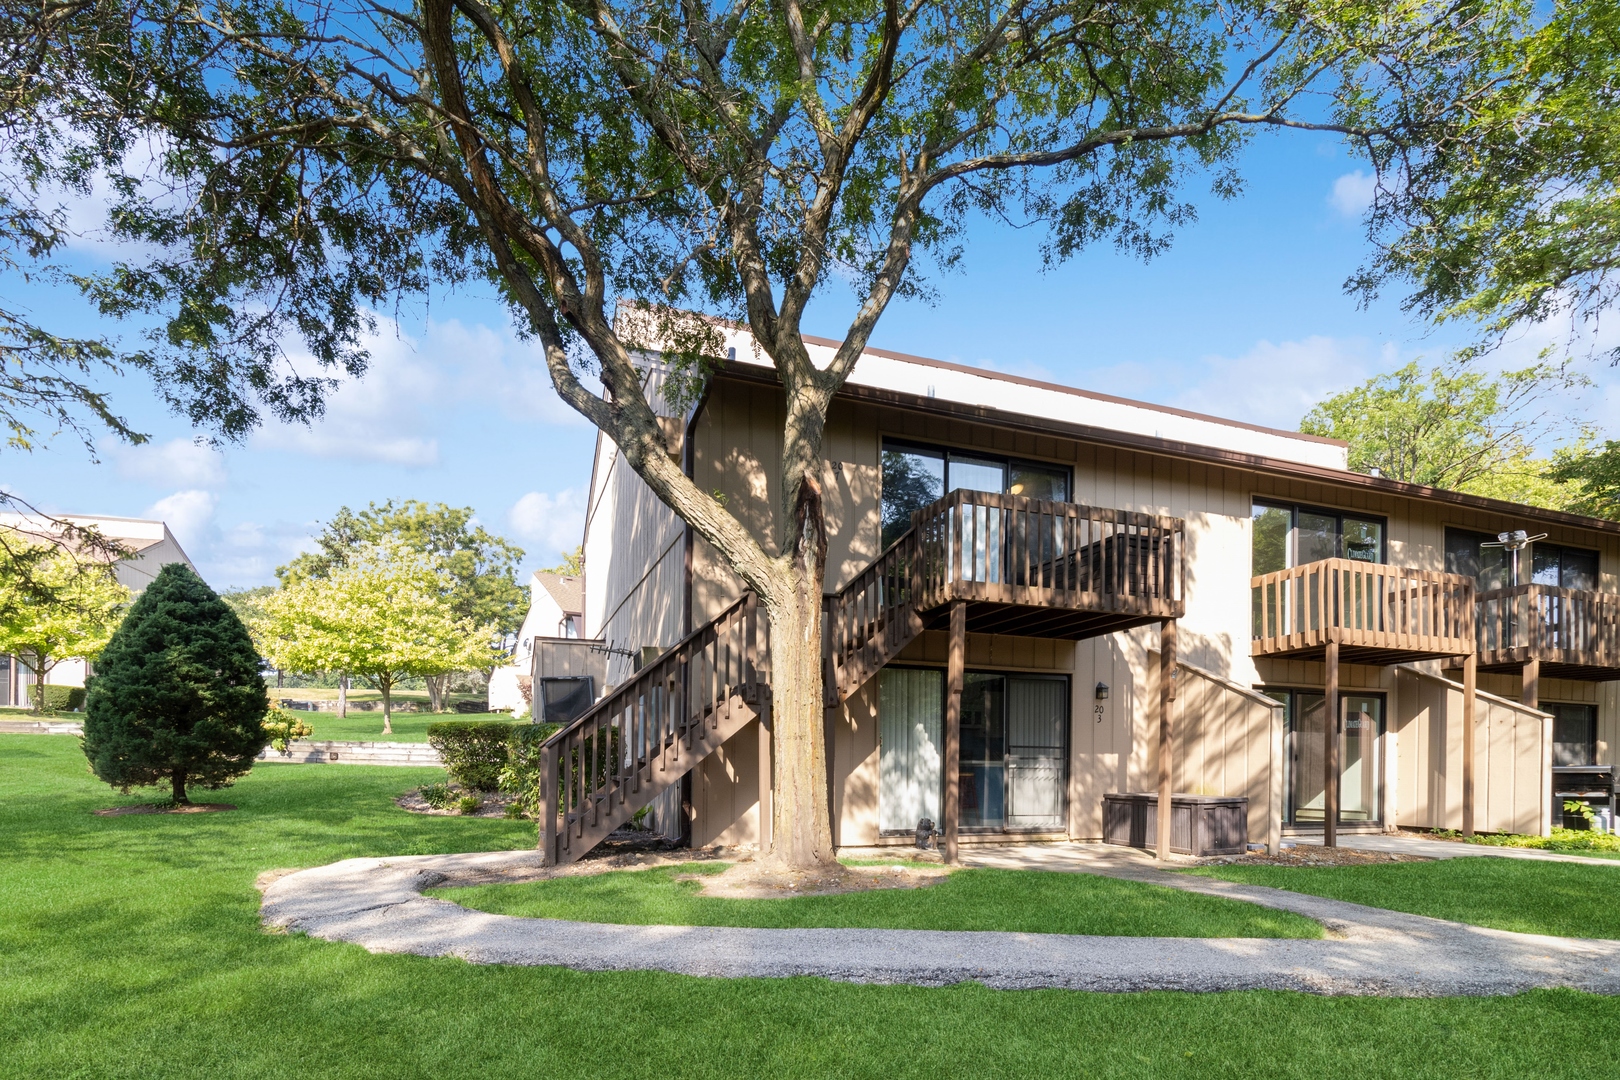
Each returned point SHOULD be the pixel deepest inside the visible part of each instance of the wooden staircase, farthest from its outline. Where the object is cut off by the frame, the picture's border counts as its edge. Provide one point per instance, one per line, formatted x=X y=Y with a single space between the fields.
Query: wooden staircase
x=643 y=736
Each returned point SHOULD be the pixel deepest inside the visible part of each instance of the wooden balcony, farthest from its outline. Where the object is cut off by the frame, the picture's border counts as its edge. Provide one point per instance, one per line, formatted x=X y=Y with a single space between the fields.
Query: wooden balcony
x=1376 y=614
x=1572 y=633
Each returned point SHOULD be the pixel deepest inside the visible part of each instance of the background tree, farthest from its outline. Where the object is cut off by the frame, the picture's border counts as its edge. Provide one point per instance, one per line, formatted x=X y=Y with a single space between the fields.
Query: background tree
x=1595 y=472
x=381 y=616
x=479 y=568
x=1505 y=214
x=177 y=697
x=56 y=605
x=1452 y=427
x=723 y=158
x=572 y=564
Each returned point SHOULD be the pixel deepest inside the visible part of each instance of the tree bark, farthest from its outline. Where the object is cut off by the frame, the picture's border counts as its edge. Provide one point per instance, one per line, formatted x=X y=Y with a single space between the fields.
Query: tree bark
x=801 y=830
x=343 y=695
x=177 y=780
x=387 y=688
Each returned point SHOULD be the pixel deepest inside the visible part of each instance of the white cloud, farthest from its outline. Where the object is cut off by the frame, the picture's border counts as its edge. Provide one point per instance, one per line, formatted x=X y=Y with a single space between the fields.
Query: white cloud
x=178 y=461
x=1277 y=384
x=556 y=522
x=1353 y=193
x=190 y=516
x=392 y=415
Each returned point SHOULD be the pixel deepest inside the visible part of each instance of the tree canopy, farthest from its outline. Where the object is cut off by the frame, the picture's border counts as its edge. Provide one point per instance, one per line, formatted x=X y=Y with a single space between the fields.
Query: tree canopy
x=479 y=567
x=56 y=605
x=381 y=616
x=1452 y=427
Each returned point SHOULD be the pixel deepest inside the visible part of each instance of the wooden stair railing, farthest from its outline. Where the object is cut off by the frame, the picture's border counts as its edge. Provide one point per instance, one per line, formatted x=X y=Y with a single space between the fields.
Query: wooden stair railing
x=646 y=734
x=871 y=619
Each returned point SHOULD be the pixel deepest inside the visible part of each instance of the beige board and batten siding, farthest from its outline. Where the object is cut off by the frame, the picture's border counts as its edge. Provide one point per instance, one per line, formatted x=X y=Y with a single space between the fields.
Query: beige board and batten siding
x=1511 y=763
x=634 y=554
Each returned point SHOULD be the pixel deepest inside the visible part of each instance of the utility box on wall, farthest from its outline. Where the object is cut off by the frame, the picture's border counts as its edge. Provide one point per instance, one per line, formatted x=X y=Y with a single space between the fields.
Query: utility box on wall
x=1199 y=824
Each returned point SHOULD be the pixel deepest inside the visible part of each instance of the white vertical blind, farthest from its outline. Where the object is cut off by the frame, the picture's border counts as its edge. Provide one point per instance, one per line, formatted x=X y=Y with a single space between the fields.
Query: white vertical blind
x=910 y=717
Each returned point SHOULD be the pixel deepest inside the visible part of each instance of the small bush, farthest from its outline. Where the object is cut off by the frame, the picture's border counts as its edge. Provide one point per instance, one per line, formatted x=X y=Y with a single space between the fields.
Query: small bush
x=438 y=796
x=64 y=698
x=473 y=752
x=469 y=804
x=283 y=727
x=521 y=777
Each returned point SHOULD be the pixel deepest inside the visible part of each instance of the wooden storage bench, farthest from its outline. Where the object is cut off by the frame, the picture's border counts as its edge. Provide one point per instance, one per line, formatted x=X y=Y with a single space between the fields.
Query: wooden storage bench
x=1199 y=824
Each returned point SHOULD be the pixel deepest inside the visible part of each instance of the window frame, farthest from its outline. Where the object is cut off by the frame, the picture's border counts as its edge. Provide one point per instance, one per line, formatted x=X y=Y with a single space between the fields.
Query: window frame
x=1564 y=549
x=887 y=443
x=1294 y=509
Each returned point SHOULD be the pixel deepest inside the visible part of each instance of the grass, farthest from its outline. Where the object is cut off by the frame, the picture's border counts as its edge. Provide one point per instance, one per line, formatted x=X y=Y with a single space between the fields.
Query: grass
x=1530 y=897
x=7 y=713
x=367 y=726
x=1026 y=901
x=130 y=947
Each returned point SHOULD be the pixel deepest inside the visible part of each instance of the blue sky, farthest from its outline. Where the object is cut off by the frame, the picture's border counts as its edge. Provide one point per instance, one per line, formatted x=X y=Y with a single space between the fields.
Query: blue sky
x=1244 y=317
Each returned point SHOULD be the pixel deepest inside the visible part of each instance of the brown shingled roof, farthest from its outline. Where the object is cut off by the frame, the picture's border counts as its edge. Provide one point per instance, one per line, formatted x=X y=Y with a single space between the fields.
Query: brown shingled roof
x=569 y=592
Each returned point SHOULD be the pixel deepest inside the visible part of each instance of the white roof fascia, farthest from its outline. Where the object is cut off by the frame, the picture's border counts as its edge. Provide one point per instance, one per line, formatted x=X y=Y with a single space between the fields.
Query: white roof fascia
x=1019 y=398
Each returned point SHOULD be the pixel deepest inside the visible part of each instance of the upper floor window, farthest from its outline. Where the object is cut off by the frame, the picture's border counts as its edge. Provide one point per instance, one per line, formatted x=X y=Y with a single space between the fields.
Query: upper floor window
x=1491 y=567
x=1565 y=567
x=914 y=476
x=1466 y=553
x=569 y=627
x=1287 y=535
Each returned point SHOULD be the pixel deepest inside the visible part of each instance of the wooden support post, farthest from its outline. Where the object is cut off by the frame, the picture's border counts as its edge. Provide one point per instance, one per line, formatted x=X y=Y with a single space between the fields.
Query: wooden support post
x=1470 y=677
x=955 y=663
x=547 y=806
x=1167 y=698
x=1330 y=749
x=1530 y=692
x=766 y=775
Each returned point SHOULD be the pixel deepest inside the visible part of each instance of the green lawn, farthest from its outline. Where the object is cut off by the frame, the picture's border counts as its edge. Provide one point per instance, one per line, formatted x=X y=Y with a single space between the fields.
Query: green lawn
x=1531 y=897
x=1027 y=901
x=367 y=726
x=131 y=947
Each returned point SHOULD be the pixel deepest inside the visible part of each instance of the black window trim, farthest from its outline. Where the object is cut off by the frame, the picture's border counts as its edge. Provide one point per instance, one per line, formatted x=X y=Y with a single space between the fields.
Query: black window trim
x=1294 y=509
x=886 y=443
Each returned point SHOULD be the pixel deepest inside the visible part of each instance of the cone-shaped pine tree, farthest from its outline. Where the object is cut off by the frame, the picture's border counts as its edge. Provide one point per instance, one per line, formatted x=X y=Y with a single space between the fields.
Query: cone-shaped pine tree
x=177 y=697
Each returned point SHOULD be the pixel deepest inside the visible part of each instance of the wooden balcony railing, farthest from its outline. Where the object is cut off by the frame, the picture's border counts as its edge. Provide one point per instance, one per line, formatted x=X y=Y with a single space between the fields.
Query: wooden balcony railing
x=1375 y=613
x=1009 y=549
x=1026 y=566
x=1573 y=633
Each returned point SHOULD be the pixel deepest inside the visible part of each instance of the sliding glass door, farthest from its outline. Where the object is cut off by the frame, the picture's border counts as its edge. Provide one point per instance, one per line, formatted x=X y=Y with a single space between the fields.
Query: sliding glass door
x=1013 y=769
x=1361 y=773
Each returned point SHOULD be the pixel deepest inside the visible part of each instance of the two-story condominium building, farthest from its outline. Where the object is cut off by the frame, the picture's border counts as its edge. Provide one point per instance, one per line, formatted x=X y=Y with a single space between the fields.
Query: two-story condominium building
x=1011 y=562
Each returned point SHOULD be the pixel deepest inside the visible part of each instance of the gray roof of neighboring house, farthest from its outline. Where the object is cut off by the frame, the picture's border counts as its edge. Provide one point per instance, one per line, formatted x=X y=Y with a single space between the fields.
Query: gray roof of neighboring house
x=569 y=592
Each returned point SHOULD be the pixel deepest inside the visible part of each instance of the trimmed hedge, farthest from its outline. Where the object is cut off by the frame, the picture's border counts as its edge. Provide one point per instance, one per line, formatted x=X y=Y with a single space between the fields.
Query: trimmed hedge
x=64 y=698
x=473 y=751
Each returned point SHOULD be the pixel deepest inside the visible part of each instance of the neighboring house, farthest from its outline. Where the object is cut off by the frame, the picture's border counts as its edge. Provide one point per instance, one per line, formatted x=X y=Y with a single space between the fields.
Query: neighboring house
x=1061 y=543
x=152 y=547
x=556 y=610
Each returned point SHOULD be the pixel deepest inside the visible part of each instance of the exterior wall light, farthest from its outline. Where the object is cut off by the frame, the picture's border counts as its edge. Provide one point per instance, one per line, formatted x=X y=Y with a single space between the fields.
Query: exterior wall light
x=1102 y=691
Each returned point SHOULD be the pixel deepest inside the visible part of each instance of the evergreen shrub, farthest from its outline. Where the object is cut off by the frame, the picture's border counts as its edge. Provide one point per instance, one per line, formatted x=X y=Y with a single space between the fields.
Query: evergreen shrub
x=473 y=752
x=521 y=777
x=177 y=697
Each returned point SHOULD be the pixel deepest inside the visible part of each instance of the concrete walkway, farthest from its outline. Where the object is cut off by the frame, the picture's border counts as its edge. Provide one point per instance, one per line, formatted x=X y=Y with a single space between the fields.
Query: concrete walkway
x=1450 y=849
x=377 y=903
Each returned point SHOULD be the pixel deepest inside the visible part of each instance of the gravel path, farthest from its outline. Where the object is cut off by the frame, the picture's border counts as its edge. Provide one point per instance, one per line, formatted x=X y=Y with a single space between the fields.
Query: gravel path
x=377 y=903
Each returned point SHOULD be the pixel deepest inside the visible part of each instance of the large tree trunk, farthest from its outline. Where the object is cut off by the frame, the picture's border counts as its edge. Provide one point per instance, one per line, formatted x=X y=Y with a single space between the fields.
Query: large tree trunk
x=801 y=834
x=435 y=689
x=177 y=781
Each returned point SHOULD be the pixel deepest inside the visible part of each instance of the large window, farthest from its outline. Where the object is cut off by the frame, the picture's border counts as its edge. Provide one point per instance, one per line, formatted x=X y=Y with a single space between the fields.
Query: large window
x=1466 y=553
x=1565 y=567
x=1361 y=770
x=914 y=476
x=1287 y=535
x=1491 y=567
x=1574 y=734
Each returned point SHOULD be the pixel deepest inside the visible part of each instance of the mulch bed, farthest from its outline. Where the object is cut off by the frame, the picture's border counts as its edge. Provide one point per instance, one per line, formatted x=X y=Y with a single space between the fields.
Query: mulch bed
x=1312 y=855
x=148 y=808
x=493 y=805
